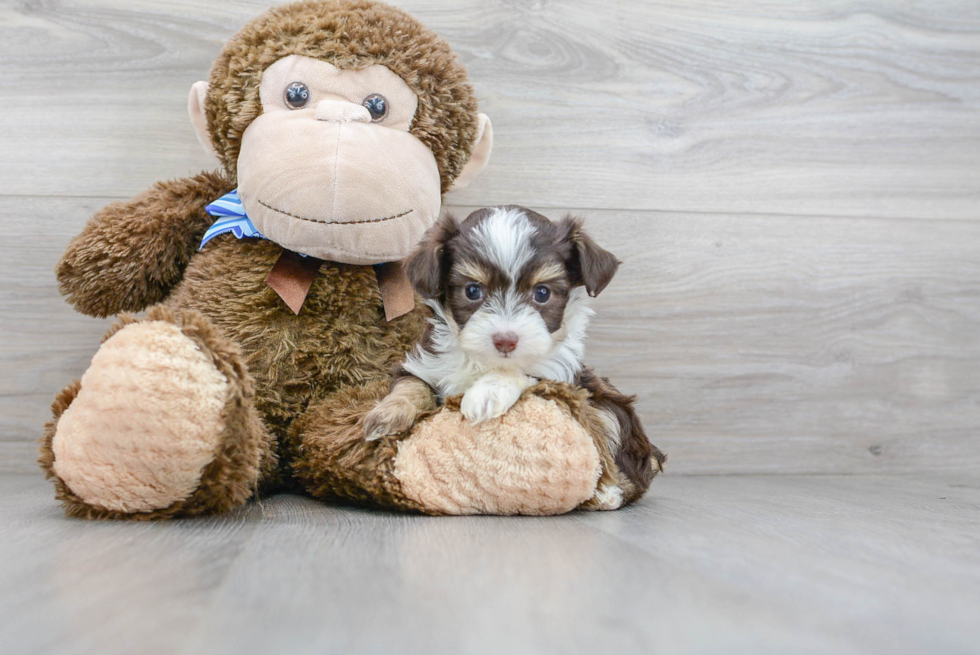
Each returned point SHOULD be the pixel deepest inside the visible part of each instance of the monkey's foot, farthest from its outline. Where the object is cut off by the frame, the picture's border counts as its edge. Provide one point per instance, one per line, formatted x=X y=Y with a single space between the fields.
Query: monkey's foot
x=535 y=459
x=160 y=424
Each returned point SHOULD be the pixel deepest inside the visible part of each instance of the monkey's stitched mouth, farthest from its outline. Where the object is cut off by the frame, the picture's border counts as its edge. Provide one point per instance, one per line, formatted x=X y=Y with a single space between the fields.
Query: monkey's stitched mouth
x=323 y=222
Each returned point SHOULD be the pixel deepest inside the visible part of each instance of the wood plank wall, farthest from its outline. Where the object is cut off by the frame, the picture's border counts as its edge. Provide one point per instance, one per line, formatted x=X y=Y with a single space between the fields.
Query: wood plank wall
x=794 y=188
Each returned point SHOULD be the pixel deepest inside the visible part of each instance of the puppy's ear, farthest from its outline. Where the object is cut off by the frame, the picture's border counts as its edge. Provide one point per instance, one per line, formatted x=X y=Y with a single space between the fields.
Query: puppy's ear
x=588 y=264
x=428 y=265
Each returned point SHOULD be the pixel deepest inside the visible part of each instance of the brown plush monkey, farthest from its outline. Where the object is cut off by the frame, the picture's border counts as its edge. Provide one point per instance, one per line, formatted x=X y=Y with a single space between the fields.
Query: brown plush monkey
x=340 y=123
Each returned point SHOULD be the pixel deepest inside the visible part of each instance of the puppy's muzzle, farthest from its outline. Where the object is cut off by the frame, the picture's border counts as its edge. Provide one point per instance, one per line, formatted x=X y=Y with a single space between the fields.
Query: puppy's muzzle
x=505 y=342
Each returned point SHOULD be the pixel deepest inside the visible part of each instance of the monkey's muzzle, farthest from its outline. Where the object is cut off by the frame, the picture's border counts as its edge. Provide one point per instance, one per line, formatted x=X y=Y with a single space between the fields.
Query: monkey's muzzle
x=344 y=191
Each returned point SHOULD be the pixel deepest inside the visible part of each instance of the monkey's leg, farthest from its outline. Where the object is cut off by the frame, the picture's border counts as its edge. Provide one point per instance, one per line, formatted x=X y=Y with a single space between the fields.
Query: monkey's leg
x=334 y=461
x=539 y=458
x=162 y=424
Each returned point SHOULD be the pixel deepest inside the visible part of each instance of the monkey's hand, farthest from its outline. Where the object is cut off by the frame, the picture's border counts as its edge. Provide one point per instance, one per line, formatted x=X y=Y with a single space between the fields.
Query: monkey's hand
x=493 y=394
x=131 y=254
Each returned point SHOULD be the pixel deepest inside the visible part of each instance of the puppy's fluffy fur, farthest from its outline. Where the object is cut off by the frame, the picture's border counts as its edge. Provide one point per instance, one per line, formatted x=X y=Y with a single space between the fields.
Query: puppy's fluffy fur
x=509 y=291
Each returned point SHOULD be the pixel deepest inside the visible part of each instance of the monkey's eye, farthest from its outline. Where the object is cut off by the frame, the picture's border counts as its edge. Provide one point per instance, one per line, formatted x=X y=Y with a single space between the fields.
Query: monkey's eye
x=296 y=95
x=473 y=291
x=377 y=106
x=541 y=294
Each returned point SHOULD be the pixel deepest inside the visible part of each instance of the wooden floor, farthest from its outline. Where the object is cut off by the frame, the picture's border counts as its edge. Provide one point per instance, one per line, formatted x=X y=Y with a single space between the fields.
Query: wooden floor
x=720 y=564
x=794 y=189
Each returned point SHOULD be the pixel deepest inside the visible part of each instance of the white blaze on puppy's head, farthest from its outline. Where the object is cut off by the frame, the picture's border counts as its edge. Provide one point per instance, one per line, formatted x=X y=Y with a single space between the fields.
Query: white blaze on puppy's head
x=504 y=239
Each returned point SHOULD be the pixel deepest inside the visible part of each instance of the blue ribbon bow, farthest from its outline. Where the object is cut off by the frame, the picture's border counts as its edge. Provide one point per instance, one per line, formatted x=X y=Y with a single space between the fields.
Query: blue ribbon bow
x=231 y=218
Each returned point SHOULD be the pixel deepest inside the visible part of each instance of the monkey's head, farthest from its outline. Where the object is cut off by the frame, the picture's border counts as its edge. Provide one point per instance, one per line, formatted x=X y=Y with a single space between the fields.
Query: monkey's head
x=344 y=122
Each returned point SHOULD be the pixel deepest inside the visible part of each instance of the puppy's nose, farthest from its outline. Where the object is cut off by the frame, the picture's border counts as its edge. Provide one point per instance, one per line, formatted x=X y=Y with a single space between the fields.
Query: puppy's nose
x=338 y=111
x=505 y=342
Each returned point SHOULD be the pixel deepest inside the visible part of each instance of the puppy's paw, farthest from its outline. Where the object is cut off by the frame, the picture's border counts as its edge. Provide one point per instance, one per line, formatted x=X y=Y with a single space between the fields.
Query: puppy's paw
x=489 y=398
x=389 y=417
x=608 y=497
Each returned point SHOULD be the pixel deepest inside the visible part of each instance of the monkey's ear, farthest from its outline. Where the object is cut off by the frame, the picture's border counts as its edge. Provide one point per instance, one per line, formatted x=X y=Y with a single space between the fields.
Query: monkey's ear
x=428 y=265
x=589 y=264
x=195 y=107
x=479 y=158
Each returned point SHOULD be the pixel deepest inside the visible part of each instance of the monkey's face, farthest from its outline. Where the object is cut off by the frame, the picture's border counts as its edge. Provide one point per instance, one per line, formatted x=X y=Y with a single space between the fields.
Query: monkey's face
x=344 y=122
x=329 y=168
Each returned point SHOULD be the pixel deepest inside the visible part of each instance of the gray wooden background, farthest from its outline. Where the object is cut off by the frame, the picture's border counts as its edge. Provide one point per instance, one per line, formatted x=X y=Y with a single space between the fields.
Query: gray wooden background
x=794 y=188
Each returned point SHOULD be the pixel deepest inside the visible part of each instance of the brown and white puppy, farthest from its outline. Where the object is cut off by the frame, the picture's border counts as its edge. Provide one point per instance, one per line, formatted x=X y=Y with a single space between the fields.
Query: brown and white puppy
x=509 y=290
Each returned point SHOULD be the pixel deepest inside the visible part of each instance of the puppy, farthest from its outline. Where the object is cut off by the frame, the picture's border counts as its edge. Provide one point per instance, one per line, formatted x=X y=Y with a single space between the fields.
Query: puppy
x=509 y=290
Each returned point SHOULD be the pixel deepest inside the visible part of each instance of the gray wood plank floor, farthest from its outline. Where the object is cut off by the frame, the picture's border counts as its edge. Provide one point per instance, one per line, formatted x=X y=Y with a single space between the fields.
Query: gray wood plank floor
x=737 y=564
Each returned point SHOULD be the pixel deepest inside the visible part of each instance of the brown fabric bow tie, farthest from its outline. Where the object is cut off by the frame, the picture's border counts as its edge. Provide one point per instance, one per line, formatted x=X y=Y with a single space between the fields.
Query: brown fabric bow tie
x=293 y=275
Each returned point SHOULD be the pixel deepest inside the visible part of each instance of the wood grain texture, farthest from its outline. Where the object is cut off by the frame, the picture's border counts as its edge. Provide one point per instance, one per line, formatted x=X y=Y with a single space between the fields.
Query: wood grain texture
x=775 y=564
x=767 y=344
x=755 y=344
x=812 y=307
x=44 y=344
x=843 y=108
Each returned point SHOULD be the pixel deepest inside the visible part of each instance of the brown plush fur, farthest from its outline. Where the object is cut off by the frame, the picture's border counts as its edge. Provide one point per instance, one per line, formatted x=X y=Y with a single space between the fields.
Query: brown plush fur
x=132 y=253
x=334 y=462
x=340 y=338
x=350 y=34
x=243 y=456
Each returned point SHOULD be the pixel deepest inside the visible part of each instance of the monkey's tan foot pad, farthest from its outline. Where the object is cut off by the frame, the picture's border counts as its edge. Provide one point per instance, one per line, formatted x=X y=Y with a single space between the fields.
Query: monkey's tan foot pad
x=536 y=459
x=146 y=421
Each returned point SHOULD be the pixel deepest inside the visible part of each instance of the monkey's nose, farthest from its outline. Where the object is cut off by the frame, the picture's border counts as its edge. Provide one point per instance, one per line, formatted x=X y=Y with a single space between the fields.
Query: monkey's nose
x=338 y=111
x=505 y=342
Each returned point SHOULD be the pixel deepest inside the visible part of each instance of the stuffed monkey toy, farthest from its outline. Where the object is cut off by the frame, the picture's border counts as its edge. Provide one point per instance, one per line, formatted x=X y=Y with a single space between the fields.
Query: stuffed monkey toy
x=275 y=305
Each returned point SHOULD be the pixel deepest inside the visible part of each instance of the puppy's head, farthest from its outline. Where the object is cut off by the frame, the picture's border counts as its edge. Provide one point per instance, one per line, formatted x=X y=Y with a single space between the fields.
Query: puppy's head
x=511 y=280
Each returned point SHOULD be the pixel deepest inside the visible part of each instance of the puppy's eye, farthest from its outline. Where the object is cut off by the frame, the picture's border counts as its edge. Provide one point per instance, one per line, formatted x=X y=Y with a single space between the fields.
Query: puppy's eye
x=473 y=291
x=377 y=106
x=541 y=294
x=297 y=95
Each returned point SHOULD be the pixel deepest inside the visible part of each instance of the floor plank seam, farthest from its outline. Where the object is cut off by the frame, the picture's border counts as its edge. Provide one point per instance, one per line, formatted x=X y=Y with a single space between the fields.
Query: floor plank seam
x=659 y=210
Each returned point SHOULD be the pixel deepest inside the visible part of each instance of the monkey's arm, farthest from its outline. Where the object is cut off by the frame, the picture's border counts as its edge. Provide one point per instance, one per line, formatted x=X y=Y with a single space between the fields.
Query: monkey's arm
x=131 y=254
